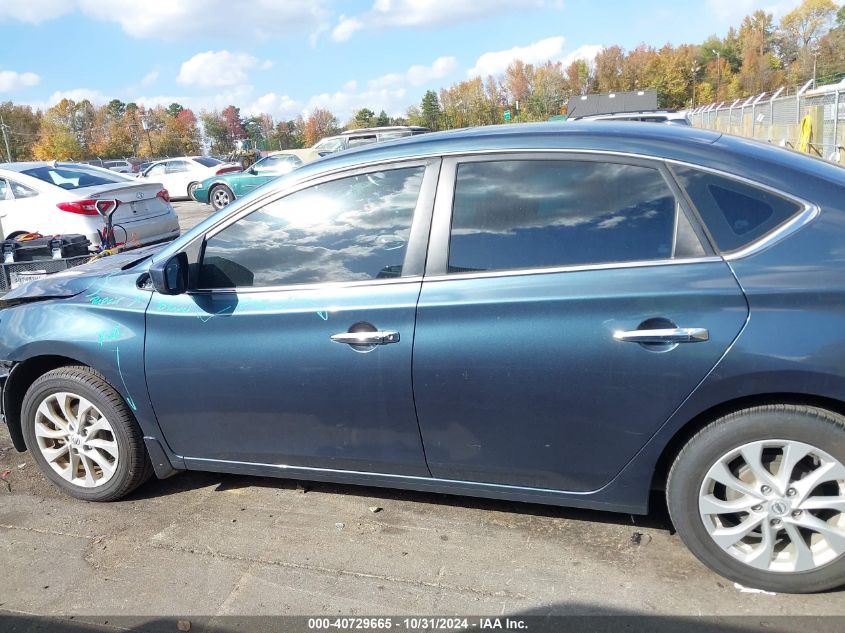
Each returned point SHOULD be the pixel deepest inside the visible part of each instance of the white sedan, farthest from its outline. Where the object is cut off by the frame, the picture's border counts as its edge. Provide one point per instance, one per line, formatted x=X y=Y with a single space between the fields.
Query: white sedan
x=62 y=198
x=180 y=175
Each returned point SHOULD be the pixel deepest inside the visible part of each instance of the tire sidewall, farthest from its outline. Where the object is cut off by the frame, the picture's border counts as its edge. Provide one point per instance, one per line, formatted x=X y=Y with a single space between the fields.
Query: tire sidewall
x=44 y=387
x=807 y=425
x=220 y=188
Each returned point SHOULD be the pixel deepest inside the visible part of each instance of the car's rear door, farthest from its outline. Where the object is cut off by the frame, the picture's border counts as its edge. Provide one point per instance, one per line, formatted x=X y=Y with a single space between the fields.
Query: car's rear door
x=294 y=347
x=570 y=305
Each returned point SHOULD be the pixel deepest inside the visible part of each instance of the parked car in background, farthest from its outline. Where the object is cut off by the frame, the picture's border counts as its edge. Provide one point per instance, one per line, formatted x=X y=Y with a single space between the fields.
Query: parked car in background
x=657 y=116
x=120 y=166
x=181 y=175
x=60 y=198
x=563 y=314
x=220 y=190
x=365 y=136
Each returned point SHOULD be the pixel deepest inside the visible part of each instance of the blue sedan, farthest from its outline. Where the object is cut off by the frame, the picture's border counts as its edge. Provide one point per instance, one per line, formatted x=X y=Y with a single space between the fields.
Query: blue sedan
x=573 y=314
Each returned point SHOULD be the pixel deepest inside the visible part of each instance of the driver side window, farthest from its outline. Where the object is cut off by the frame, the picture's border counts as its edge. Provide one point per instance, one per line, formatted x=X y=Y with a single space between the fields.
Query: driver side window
x=350 y=229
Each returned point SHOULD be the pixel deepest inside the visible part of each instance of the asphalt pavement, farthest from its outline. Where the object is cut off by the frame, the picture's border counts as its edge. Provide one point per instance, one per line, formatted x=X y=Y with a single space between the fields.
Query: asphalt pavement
x=209 y=545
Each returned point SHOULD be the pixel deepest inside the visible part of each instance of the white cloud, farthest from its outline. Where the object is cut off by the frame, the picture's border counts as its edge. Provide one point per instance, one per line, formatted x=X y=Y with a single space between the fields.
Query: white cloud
x=345 y=28
x=425 y=13
x=11 y=81
x=281 y=107
x=171 y=19
x=78 y=94
x=416 y=75
x=34 y=11
x=150 y=78
x=587 y=52
x=388 y=92
x=495 y=62
x=218 y=68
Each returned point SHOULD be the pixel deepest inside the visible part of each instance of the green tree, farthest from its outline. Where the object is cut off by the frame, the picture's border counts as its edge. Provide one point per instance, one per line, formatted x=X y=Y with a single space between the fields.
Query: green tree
x=216 y=132
x=174 y=109
x=382 y=119
x=430 y=114
x=362 y=118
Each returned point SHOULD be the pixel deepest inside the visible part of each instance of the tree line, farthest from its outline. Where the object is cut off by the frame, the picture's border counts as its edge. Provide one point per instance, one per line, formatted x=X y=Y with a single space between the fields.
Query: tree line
x=759 y=55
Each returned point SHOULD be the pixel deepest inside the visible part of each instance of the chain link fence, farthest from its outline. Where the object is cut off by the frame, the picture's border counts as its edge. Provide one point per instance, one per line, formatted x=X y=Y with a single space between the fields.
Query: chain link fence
x=778 y=118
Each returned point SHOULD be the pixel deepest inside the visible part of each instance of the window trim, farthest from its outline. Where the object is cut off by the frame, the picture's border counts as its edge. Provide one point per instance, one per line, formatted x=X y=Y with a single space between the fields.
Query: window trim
x=415 y=251
x=438 y=255
x=806 y=214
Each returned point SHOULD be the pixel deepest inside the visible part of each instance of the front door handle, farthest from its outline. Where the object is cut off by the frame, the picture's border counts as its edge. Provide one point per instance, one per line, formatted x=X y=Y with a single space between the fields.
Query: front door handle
x=667 y=335
x=366 y=338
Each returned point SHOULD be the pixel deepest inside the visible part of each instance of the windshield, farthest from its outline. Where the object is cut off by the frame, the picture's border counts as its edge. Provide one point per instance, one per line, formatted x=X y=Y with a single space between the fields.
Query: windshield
x=329 y=145
x=207 y=161
x=73 y=177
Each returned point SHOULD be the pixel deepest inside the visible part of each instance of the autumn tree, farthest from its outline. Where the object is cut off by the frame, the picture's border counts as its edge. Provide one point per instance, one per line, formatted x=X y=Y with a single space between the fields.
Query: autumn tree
x=57 y=138
x=23 y=128
x=319 y=124
x=808 y=21
x=234 y=125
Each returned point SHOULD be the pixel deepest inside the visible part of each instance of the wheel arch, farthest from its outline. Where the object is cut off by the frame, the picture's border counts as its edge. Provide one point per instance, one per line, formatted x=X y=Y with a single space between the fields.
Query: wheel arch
x=680 y=438
x=21 y=377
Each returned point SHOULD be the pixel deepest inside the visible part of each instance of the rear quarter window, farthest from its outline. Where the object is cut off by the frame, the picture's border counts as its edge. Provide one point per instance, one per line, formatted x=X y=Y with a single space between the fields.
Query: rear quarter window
x=736 y=214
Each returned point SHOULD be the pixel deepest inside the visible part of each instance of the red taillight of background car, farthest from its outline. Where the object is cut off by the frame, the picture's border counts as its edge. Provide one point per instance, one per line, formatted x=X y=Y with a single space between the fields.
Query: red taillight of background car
x=228 y=169
x=163 y=195
x=80 y=207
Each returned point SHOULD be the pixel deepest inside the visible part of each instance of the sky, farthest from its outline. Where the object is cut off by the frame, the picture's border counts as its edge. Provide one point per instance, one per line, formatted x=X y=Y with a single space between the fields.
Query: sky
x=286 y=57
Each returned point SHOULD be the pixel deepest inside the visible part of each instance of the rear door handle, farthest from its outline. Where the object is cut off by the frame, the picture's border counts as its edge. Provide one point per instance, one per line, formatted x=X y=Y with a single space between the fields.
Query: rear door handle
x=366 y=338
x=668 y=335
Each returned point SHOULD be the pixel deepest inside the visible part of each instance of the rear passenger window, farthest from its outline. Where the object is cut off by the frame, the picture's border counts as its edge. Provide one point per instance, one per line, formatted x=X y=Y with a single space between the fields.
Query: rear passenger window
x=536 y=213
x=735 y=213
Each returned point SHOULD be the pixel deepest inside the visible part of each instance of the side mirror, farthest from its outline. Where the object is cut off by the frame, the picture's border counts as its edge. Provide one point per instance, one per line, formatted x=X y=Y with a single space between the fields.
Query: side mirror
x=171 y=276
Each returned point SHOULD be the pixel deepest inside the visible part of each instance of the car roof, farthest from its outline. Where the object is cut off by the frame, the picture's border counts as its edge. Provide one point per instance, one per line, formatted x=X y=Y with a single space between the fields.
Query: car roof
x=656 y=140
x=32 y=164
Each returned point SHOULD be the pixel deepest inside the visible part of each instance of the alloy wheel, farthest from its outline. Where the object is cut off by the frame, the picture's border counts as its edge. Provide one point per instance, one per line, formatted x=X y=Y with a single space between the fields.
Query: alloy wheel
x=776 y=505
x=220 y=198
x=76 y=439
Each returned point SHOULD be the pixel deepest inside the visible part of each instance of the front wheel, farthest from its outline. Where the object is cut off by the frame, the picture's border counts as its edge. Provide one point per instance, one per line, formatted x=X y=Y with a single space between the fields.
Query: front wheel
x=191 y=189
x=83 y=436
x=759 y=497
x=220 y=196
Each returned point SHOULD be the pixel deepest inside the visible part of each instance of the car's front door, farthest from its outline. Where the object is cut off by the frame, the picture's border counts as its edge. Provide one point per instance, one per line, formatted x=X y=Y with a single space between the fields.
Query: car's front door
x=294 y=347
x=261 y=172
x=569 y=307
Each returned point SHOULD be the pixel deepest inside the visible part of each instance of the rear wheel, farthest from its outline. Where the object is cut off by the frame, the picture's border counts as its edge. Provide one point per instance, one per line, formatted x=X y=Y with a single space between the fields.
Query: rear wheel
x=191 y=188
x=759 y=497
x=220 y=196
x=83 y=436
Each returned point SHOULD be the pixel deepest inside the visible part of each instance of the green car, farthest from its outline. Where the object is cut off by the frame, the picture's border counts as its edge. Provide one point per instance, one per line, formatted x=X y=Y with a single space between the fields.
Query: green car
x=218 y=191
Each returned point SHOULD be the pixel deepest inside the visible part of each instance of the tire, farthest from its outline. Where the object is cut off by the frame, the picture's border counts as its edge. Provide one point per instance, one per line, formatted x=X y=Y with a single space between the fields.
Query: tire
x=785 y=507
x=220 y=196
x=108 y=471
x=191 y=188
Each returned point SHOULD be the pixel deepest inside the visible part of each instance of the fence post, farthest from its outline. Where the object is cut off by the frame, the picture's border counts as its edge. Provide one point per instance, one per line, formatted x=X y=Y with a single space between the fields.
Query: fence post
x=836 y=123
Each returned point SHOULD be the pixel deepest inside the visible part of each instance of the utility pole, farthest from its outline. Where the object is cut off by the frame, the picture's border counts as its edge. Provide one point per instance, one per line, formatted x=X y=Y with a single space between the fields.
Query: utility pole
x=694 y=77
x=815 y=50
x=4 y=127
x=718 y=70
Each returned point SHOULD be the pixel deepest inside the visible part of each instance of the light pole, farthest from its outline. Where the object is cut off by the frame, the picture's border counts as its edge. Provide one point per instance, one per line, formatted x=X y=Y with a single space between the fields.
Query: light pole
x=718 y=71
x=694 y=74
x=814 y=50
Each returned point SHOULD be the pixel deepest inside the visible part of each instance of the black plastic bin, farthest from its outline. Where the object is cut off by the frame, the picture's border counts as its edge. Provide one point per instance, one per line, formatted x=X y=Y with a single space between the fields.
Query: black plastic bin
x=16 y=273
